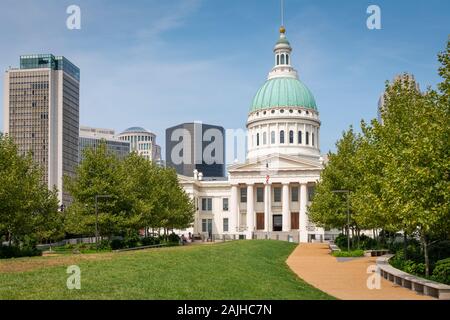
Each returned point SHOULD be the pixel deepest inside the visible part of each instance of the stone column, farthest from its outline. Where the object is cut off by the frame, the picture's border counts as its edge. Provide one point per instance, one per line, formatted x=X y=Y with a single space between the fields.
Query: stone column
x=250 y=211
x=267 y=206
x=285 y=208
x=303 y=217
x=234 y=210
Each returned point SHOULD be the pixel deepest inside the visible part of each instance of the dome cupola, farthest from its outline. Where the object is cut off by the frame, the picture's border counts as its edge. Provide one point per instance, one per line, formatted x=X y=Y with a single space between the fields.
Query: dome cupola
x=283 y=117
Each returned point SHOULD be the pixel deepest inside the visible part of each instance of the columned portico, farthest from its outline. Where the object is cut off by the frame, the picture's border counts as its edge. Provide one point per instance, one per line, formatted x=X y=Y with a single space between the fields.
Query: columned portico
x=267 y=206
x=303 y=216
x=285 y=208
x=250 y=210
x=234 y=208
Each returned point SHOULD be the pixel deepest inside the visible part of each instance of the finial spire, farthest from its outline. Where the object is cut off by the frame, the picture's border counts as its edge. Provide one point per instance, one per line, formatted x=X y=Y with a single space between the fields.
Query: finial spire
x=282 y=28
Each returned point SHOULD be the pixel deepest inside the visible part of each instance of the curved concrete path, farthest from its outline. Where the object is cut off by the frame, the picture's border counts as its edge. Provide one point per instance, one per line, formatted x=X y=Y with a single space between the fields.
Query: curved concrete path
x=344 y=278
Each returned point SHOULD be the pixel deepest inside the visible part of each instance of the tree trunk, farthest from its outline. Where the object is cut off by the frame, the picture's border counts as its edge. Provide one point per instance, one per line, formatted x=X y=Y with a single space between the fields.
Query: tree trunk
x=9 y=238
x=405 y=245
x=425 y=254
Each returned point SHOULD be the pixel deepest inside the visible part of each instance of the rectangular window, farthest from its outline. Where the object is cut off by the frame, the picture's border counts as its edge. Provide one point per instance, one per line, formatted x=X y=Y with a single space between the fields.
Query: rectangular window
x=259 y=194
x=206 y=204
x=277 y=194
x=225 y=224
x=311 y=190
x=207 y=225
x=225 y=204
x=294 y=194
x=243 y=195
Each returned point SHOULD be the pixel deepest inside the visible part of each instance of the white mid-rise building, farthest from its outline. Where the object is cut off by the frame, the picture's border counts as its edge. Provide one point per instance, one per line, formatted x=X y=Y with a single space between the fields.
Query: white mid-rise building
x=92 y=137
x=143 y=142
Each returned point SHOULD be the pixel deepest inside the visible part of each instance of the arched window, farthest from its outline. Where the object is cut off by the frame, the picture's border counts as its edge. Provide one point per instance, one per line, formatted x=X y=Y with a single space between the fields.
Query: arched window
x=299 y=137
x=312 y=138
x=282 y=59
x=278 y=59
x=264 y=138
x=291 y=136
x=287 y=59
x=282 y=136
x=257 y=139
x=272 y=137
x=307 y=138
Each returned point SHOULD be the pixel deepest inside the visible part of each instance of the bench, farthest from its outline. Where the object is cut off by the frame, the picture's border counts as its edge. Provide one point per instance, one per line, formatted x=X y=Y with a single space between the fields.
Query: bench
x=333 y=247
x=375 y=253
x=420 y=285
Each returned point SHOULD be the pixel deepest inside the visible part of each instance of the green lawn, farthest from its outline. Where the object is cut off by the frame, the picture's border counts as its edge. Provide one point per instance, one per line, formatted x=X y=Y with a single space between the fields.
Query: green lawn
x=232 y=270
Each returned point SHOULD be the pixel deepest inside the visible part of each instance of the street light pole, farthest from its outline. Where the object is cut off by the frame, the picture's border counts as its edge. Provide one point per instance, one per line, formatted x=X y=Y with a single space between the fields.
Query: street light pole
x=96 y=215
x=348 y=214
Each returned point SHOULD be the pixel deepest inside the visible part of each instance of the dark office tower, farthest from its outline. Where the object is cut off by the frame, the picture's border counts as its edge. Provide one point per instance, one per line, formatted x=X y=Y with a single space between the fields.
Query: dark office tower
x=41 y=114
x=196 y=146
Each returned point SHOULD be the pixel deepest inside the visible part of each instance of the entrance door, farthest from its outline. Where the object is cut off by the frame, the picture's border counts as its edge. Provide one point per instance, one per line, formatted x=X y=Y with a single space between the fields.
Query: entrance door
x=207 y=226
x=295 y=223
x=260 y=221
x=277 y=223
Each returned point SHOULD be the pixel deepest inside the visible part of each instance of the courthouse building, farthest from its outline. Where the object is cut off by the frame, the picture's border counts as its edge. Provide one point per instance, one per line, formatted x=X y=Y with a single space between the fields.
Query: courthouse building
x=267 y=196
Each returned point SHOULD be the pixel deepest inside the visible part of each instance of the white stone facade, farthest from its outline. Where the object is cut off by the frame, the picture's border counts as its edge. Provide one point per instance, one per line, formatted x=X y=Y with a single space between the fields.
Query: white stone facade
x=268 y=195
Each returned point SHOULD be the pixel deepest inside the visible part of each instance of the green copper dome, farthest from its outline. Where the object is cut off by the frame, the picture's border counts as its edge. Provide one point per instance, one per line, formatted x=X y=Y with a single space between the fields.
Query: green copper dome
x=283 y=92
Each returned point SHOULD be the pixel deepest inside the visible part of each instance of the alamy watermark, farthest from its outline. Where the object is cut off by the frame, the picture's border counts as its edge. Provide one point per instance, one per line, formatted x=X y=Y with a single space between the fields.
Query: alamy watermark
x=74 y=280
x=374 y=280
x=374 y=20
x=73 y=21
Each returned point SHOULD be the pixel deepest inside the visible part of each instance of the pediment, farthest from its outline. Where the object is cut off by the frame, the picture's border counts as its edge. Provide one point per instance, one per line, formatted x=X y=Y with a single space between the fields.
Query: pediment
x=277 y=163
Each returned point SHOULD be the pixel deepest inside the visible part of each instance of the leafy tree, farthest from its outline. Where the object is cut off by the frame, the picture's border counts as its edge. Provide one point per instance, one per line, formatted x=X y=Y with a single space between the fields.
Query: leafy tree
x=142 y=195
x=99 y=174
x=416 y=146
x=27 y=207
x=174 y=208
x=398 y=170
x=329 y=209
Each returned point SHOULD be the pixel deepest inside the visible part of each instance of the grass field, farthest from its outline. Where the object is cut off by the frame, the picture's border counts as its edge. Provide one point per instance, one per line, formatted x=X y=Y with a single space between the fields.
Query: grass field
x=232 y=270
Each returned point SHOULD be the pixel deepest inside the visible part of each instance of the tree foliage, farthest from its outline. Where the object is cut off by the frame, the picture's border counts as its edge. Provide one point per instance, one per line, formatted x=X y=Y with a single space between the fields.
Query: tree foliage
x=397 y=170
x=140 y=195
x=27 y=207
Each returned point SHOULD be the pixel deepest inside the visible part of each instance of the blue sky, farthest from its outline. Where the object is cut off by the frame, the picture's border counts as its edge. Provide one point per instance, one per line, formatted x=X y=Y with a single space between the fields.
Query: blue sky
x=159 y=63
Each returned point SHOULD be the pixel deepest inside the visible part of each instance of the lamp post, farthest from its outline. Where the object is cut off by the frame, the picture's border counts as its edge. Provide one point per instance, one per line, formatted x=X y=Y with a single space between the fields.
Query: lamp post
x=348 y=214
x=96 y=215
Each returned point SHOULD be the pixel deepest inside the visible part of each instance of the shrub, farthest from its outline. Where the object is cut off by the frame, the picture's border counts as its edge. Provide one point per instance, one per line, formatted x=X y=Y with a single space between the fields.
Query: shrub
x=341 y=241
x=104 y=244
x=132 y=239
x=148 y=241
x=441 y=272
x=174 y=238
x=367 y=243
x=412 y=267
x=117 y=244
x=348 y=254
x=17 y=252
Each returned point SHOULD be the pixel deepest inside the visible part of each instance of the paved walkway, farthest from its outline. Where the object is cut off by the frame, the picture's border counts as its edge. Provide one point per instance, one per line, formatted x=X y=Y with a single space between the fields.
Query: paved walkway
x=345 y=279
